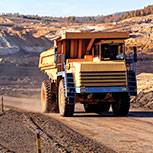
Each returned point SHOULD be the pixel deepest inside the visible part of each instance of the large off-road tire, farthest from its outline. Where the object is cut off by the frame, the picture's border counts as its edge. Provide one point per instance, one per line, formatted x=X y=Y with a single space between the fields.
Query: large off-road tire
x=48 y=99
x=66 y=105
x=121 y=105
x=103 y=107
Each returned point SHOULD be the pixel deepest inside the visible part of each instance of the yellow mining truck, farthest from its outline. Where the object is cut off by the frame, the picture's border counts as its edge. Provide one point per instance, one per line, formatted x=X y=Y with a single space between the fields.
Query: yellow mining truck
x=91 y=68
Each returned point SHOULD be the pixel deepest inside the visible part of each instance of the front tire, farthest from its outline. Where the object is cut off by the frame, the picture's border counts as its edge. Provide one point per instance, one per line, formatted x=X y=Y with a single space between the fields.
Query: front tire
x=66 y=105
x=121 y=105
x=48 y=99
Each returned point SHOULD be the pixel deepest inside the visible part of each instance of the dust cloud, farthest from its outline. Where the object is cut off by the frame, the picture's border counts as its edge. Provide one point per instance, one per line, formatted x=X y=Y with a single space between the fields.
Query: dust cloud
x=29 y=104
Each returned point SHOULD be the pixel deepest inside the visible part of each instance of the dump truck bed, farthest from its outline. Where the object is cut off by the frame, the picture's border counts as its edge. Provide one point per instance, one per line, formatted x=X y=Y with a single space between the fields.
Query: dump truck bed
x=47 y=64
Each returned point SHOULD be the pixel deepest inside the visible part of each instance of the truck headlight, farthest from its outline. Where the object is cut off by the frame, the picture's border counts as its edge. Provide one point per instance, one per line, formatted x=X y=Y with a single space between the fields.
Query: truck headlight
x=120 y=56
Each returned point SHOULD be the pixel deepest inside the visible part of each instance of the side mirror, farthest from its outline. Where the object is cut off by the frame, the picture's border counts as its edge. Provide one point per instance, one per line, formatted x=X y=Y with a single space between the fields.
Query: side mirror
x=135 y=54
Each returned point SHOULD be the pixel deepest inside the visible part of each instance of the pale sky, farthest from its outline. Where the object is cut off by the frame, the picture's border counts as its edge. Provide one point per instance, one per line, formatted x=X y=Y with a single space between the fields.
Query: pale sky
x=71 y=7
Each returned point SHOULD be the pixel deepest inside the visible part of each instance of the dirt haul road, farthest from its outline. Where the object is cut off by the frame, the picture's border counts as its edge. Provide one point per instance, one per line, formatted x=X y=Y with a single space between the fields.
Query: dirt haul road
x=98 y=132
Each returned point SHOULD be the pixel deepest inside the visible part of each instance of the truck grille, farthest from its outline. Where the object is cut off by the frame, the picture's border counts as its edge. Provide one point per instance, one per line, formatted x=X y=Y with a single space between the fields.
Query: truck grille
x=115 y=78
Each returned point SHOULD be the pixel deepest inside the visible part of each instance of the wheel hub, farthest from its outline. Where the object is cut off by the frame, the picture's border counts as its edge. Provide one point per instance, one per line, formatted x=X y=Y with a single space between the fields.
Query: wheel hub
x=44 y=97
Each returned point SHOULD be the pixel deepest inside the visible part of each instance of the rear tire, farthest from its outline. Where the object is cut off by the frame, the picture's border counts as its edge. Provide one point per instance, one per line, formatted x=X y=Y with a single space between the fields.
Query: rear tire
x=66 y=105
x=121 y=105
x=48 y=99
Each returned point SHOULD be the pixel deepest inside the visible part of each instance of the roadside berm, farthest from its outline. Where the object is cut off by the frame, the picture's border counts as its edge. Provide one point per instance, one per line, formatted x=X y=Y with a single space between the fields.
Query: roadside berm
x=144 y=100
x=17 y=134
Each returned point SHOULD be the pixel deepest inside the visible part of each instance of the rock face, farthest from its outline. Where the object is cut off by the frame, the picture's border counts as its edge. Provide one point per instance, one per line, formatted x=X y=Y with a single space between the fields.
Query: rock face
x=35 y=36
x=140 y=29
x=145 y=92
x=12 y=42
x=145 y=82
x=143 y=100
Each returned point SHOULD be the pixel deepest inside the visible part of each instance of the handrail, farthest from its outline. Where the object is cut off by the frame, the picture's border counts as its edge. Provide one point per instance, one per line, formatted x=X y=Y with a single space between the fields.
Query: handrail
x=131 y=64
x=62 y=63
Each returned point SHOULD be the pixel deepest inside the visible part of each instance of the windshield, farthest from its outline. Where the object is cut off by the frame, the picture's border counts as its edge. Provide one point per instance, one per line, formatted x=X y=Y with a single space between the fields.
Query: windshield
x=109 y=51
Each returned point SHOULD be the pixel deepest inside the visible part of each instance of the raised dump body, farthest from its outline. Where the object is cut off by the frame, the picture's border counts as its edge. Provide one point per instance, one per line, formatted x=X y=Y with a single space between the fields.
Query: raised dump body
x=92 y=68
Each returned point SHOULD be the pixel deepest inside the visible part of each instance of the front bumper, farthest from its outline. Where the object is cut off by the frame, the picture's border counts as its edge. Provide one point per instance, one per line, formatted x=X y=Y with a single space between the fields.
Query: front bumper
x=101 y=89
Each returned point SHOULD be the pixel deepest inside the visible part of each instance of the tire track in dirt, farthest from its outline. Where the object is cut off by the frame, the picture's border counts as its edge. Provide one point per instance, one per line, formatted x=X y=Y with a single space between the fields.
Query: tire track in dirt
x=3 y=149
x=32 y=125
x=66 y=140
x=19 y=127
x=128 y=134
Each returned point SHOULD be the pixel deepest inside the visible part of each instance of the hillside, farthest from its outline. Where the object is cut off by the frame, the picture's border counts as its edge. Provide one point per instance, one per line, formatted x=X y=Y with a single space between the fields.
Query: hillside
x=17 y=35
x=24 y=36
x=115 y=17
x=141 y=31
x=34 y=31
x=31 y=33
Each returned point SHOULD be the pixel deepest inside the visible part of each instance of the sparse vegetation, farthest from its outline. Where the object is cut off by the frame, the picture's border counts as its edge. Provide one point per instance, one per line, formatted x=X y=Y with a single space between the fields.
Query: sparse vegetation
x=86 y=19
x=142 y=12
